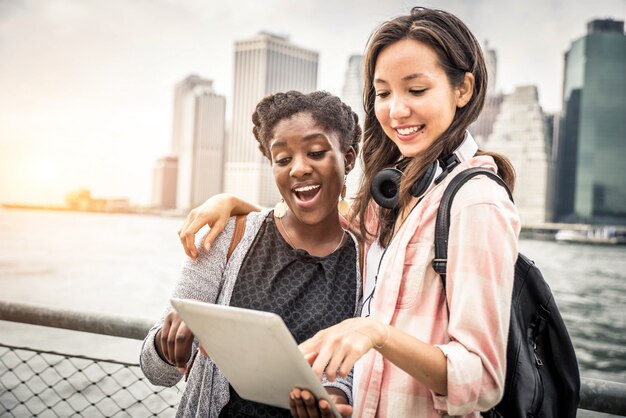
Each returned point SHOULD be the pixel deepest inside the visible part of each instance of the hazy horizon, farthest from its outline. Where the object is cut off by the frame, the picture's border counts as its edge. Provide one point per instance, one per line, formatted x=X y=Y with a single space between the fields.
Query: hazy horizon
x=86 y=87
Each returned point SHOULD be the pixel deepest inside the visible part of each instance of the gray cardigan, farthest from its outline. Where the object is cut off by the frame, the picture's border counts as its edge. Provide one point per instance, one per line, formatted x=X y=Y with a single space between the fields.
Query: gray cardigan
x=211 y=279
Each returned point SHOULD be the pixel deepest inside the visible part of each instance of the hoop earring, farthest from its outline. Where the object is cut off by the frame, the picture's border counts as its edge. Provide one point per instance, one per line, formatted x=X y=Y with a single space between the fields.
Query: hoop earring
x=280 y=209
x=343 y=206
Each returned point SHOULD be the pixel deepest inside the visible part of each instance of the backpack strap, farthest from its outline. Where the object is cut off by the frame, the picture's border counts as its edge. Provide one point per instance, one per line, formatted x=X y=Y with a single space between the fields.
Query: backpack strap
x=361 y=255
x=240 y=226
x=442 y=225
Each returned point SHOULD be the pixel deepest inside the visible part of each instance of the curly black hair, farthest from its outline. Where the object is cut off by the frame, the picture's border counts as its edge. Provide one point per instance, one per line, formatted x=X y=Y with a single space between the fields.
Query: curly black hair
x=328 y=111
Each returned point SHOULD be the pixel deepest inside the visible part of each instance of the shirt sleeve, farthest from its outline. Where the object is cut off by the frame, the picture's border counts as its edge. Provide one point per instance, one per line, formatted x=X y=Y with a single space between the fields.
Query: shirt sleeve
x=343 y=384
x=200 y=280
x=482 y=251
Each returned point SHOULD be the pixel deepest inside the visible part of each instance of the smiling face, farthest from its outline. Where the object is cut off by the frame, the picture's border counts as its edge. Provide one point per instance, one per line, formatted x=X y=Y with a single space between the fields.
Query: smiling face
x=309 y=167
x=415 y=102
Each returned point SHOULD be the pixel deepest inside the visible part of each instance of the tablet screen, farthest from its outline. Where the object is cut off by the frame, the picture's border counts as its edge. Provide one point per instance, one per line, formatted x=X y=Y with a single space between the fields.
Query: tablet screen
x=254 y=350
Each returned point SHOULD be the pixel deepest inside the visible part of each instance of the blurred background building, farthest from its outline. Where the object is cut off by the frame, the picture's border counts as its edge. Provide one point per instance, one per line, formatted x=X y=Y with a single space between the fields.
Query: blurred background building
x=164 y=182
x=264 y=64
x=515 y=125
x=352 y=95
x=483 y=126
x=520 y=132
x=591 y=156
x=197 y=147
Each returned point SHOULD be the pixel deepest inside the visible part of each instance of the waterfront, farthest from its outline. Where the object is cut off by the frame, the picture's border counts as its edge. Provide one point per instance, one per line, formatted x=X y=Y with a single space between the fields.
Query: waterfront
x=127 y=264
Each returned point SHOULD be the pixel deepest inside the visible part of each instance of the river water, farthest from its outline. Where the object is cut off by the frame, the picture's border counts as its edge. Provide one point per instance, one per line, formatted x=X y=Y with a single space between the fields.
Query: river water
x=127 y=264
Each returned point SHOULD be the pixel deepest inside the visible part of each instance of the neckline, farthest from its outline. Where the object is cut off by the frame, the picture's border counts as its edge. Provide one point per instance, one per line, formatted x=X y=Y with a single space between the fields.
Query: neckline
x=303 y=252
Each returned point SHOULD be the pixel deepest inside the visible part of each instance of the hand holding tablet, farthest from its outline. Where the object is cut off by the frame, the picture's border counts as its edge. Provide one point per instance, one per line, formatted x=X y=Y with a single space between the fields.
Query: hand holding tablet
x=254 y=350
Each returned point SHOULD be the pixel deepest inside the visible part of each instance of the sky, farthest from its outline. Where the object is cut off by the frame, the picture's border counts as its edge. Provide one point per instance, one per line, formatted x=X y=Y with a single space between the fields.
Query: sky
x=86 y=86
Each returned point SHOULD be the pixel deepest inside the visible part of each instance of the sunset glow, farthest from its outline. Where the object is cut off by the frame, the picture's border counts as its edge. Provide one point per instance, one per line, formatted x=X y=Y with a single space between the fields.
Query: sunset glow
x=45 y=172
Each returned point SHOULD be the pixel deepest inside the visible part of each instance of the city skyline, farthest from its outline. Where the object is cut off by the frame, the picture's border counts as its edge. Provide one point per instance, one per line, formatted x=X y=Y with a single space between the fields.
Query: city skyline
x=87 y=87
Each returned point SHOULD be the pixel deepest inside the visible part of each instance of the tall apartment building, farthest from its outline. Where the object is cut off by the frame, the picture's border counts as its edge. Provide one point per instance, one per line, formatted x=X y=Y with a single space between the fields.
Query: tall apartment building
x=491 y=62
x=198 y=141
x=591 y=165
x=181 y=92
x=264 y=64
x=521 y=132
x=482 y=128
x=164 y=182
x=352 y=90
x=352 y=95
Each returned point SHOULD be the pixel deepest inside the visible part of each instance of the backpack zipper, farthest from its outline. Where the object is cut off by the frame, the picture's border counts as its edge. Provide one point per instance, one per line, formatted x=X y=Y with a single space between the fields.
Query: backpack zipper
x=537 y=359
x=539 y=387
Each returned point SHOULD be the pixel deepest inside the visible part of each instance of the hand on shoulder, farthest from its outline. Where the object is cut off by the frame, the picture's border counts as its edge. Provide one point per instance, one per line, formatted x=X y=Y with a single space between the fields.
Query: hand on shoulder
x=215 y=213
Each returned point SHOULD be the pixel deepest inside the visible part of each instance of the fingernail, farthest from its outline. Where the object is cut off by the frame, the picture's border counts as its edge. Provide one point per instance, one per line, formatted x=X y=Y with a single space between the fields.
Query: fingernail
x=207 y=246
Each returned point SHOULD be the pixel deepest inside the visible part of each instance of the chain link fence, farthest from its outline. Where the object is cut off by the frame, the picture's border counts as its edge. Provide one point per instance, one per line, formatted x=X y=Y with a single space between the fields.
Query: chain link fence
x=35 y=383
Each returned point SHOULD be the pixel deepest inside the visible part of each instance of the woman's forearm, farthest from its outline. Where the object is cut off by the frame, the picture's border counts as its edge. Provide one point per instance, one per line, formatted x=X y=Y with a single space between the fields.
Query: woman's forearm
x=240 y=206
x=423 y=361
x=334 y=351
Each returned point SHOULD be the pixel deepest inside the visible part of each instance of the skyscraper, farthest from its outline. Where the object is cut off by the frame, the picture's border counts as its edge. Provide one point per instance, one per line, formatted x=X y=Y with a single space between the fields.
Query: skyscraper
x=591 y=165
x=483 y=126
x=515 y=125
x=352 y=91
x=520 y=132
x=264 y=64
x=181 y=92
x=352 y=95
x=164 y=183
x=491 y=62
x=198 y=141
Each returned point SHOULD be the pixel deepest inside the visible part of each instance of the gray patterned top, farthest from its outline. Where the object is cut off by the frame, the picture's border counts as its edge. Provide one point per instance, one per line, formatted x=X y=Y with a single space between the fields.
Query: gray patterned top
x=211 y=279
x=302 y=289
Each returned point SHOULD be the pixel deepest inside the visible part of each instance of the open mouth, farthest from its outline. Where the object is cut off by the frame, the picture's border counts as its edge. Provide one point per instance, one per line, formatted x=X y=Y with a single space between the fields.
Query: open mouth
x=306 y=193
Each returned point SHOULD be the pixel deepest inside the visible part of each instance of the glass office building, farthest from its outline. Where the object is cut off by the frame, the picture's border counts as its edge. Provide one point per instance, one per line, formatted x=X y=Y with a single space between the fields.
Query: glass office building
x=591 y=168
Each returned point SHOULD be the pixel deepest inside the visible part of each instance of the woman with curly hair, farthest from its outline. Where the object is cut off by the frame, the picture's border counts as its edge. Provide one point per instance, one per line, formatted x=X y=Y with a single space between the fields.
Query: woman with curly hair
x=296 y=260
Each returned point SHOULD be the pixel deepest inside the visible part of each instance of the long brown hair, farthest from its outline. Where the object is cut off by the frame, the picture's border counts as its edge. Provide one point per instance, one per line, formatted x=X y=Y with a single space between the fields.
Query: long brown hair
x=458 y=53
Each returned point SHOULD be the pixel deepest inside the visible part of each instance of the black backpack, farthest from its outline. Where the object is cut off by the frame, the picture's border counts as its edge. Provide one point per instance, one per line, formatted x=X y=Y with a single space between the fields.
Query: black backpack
x=542 y=378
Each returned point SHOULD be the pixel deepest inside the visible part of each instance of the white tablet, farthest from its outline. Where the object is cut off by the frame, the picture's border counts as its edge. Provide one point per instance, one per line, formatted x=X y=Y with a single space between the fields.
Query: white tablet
x=254 y=350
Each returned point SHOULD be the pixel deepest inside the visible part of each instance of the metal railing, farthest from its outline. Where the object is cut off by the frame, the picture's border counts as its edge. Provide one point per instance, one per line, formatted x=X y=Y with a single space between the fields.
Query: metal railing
x=36 y=382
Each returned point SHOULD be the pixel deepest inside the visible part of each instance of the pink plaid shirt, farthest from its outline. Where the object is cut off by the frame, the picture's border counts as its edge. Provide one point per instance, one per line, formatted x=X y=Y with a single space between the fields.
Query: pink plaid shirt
x=409 y=295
